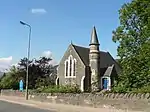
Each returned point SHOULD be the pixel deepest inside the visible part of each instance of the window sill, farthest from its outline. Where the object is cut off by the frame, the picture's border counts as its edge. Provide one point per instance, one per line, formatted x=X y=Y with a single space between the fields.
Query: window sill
x=70 y=77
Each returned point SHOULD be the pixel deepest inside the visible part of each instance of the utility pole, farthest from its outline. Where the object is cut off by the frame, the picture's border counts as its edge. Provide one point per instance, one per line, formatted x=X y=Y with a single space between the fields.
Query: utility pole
x=28 y=57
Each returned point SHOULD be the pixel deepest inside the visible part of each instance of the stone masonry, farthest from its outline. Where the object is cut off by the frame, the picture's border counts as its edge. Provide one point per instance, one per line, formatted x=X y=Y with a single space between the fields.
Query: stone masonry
x=128 y=101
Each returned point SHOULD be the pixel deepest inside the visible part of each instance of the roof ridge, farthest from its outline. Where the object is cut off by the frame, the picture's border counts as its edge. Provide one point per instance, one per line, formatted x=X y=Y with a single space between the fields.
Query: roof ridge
x=103 y=51
x=80 y=46
x=88 y=48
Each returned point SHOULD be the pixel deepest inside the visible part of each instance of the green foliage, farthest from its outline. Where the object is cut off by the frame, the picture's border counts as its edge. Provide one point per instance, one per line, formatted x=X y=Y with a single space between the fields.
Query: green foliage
x=44 y=82
x=133 y=36
x=145 y=89
x=10 y=80
x=121 y=89
x=59 y=89
x=39 y=74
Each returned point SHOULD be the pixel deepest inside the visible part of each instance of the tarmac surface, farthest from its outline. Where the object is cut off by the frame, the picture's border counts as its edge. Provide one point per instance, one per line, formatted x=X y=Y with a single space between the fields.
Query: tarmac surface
x=19 y=104
x=12 y=107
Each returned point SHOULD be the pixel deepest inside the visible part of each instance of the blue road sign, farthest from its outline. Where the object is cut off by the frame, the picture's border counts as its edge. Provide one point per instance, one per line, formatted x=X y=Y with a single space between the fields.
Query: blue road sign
x=21 y=85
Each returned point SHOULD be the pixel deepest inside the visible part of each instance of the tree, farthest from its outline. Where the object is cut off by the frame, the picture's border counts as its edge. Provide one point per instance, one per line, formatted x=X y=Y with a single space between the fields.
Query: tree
x=45 y=70
x=133 y=36
x=11 y=79
x=39 y=74
x=39 y=71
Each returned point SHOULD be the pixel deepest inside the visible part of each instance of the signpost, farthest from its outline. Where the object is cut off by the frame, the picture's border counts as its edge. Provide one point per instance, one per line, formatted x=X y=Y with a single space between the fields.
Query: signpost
x=21 y=85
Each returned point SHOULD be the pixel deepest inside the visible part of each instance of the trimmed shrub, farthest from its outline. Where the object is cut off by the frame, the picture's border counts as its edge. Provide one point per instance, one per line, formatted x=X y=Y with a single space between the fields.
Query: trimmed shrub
x=59 y=89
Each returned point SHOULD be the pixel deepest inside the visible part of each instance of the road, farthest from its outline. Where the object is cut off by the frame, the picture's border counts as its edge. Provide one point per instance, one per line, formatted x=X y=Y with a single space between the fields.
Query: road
x=20 y=105
x=10 y=107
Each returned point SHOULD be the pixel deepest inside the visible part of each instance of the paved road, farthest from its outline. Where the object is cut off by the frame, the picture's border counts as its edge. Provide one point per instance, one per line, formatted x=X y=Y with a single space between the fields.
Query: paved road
x=10 y=107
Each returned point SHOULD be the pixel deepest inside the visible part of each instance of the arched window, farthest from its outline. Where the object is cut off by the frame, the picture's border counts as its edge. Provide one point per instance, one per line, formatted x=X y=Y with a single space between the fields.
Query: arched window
x=70 y=71
x=74 y=68
x=70 y=67
x=66 y=68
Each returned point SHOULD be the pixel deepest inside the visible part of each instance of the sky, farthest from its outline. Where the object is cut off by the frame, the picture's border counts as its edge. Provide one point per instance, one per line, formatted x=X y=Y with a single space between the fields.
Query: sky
x=55 y=23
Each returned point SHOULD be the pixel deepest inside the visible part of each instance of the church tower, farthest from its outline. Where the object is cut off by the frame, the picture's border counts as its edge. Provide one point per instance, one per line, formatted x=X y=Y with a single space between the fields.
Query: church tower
x=94 y=61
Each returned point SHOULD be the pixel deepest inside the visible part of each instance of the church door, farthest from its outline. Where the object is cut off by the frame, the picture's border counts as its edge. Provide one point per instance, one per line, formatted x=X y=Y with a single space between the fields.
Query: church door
x=105 y=83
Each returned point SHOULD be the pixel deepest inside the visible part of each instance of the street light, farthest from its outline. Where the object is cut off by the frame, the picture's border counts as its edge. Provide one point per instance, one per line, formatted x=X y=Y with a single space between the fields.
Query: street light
x=28 y=56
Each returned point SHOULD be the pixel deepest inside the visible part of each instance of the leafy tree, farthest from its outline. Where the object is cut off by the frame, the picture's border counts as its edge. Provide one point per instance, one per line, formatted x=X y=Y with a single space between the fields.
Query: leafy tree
x=133 y=36
x=46 y=69
x=39 y=74
x=39 y=71
x=11 y=79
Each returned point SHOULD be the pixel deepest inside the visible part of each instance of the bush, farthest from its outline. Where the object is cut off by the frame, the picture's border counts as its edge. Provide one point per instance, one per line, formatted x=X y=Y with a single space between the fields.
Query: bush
x=59 y=89
x=145 y=89
x=119 y=89
x=123 y=89
x=8 y=82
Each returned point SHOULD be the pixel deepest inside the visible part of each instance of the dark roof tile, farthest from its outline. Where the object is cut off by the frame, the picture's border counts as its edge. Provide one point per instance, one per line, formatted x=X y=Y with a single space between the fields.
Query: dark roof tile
x=106 y=59
x=108 y=71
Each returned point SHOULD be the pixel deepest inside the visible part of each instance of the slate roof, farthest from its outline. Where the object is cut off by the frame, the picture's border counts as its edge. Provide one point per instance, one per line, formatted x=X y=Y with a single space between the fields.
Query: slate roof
x=83 y=54
x=106 y=59
x=109 y=71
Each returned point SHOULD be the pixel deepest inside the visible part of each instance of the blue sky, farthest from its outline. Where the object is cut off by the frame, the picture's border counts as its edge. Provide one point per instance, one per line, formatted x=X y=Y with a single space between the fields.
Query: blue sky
x=55 y=25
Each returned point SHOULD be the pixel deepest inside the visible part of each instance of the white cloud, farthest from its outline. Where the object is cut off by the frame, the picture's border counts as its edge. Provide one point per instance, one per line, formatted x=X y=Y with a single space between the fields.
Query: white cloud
x=48 y=54
x=53 y=62
x=6 y=59
x=38 y=11
x=5 y=63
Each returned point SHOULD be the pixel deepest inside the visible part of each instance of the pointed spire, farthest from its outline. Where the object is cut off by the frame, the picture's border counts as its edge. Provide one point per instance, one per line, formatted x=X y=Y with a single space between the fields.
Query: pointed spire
x=94 y=38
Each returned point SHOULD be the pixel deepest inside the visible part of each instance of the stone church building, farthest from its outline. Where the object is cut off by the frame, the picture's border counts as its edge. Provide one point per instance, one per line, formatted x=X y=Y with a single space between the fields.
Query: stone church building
x=89 y=68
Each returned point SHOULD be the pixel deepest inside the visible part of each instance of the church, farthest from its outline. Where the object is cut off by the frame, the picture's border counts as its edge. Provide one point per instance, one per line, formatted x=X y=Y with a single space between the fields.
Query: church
x=89 y=68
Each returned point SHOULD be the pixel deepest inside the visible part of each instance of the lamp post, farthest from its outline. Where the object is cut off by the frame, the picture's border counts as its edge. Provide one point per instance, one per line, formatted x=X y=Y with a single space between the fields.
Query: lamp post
x=28 y=56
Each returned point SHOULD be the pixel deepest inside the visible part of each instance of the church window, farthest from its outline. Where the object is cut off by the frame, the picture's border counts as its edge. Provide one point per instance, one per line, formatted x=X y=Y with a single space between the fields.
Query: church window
x=70 y=67
x=74 y=67
x=70 y=71
x=66 y=68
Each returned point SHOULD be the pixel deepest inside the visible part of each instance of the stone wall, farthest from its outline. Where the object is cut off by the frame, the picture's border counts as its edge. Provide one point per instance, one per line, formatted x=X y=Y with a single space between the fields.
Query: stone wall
x=12 y=93
x=140 y=102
